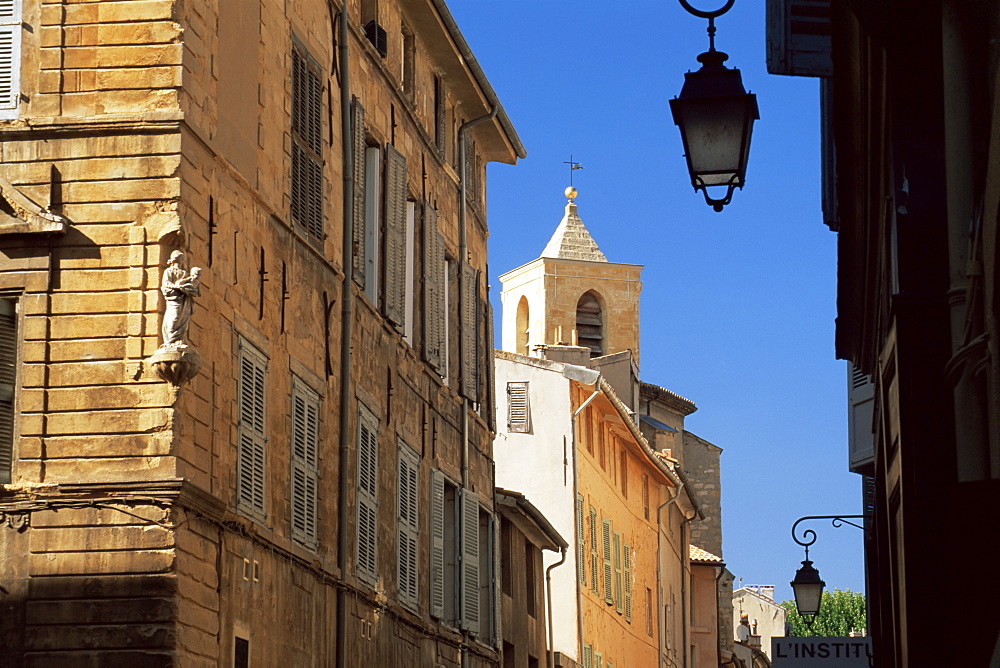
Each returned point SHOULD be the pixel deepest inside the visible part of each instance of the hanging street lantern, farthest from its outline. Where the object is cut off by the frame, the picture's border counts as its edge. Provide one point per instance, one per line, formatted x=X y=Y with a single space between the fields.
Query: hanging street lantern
x=715 y=115
x=808 y=588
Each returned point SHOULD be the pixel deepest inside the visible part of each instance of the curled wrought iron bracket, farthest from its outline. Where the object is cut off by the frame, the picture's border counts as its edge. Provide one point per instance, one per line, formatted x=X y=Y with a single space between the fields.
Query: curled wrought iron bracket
x=809 y=536
x=702 y=14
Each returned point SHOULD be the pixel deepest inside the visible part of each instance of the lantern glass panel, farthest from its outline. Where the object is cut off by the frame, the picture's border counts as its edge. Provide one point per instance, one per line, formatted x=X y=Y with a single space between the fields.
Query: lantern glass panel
x=716 y=138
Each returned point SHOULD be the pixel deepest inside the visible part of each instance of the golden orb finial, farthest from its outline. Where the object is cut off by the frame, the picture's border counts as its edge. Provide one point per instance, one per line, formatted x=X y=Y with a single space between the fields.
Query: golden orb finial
x=571 y=192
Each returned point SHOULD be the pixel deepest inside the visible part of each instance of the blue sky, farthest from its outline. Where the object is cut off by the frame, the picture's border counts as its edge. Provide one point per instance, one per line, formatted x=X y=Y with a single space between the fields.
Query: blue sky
x=738 y=308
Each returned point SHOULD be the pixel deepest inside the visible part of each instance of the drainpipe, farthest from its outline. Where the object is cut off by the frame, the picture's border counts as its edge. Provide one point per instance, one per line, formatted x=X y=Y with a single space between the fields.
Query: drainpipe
x=685 y=591
x=463 y=257
x=659 y=570
x=548 y=592
x=346 y=326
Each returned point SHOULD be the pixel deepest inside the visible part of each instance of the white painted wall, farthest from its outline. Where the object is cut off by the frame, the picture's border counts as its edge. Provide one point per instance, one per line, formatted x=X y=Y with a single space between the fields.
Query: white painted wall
x=533 y=464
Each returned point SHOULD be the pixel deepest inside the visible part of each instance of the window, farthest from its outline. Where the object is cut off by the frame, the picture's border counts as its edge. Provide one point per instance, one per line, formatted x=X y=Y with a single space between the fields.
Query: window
x=408 y=278
x=627 y=562
x=241 y=653
x=506 y=556
x=307 y=141
x=518 y=408
x=594 y=558
x=439 y=133
x=609 y=596
x=372 y=220
x=305 y=464
x=446 y=320
x=645 y=496
x=522 y=324
x=649 y=612
x=394 y=305
x=619 y=598
x=529 y=577
x=588 y=656
x=359 y=148
x=590 y=324
x=623 y=473
x=435 y=294
x=408 y=530
x=470 y=332
x=251 y=461
x=469 y=562
x=444 y=548
x=598 y=660
x=367 y=496
x=406 y=66
x=581 y=564
x=8 y=384
x=10 y=58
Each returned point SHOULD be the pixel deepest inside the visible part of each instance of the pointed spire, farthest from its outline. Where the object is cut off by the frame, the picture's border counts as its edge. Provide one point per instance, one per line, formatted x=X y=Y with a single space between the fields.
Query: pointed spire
x=571 y=239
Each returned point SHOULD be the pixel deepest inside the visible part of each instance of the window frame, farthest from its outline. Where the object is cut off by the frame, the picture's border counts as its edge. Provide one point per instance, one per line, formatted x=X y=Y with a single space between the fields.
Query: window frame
x=11 y=59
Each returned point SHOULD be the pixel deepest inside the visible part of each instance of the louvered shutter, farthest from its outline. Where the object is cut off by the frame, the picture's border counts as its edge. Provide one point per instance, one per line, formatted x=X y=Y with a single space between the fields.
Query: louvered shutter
x=408 y=527
x=619 y=599
x=518 y=408
x=252 y=455
x=799 y=38
x=437 y=544
x=8 y=380
x=595 y=568
x=434 y=287
x=307 y=141
x=581 y=559
x=305 y=465
x=470 y=562
x=609 y=597
x=469 y=338
x=598 y=660
x=395 y=237
x=627 y=556
x=588 y=656
x=358 y=146
x=10 y=57
x=490 y=383
x=860 y=417
x=367 y=497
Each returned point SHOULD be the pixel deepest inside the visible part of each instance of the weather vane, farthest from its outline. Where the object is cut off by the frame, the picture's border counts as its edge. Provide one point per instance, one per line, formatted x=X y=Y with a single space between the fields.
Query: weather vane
x=573 y=166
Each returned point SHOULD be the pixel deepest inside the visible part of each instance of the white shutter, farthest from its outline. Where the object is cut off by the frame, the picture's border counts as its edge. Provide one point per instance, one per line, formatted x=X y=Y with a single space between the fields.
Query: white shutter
x=359 y=148
x=252 y=455
x=609 y=597
x=305 y=465
x=799 y=38
x=627 y=555
x=10 y=57
x=518 y=408
x=469 y=338
x=367 y=497
x=395 y=236
x=860 y=418
x=407 y=526
x=8 y=380
x=581 y=562
x=470 y=562
x=437 y=544
x=619 y=599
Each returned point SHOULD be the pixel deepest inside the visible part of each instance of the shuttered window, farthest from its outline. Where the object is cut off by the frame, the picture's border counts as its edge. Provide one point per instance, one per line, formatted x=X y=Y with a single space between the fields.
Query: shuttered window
x=435 y=286
x=373 y=220
x=627 y=559
x=10 y=57
x=251 y=462
x=307 y=141
x=470 y=325
x=598 y=660
x=588 y=656
x=305 y=462
x=408 y=530
x=395 y=237
x=799 y=38
x=518 y=408
x=8 y=385
x=581 y=561
x=358 y=148
x=437 y=544
x=469 y=584
x=609 y=596
x=590 y=324
x=619 y=599
x=367 y=496
x=595 y=569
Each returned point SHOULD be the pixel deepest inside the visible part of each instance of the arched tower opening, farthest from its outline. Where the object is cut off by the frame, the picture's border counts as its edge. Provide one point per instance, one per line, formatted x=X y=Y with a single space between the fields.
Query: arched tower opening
x=590 y=324
x=521 y=323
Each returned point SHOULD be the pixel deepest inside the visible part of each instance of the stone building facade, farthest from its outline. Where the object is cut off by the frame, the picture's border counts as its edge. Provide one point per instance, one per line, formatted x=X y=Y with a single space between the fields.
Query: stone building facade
x=305 y=476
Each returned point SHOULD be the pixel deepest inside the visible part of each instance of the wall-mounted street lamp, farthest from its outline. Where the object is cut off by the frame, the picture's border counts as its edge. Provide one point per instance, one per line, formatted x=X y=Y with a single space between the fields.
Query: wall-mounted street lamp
x=807 y=585
x=715 y=114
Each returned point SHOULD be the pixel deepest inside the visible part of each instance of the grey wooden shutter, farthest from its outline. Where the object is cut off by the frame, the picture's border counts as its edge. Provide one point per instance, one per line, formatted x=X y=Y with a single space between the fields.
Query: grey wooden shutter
x=305 y=465
x=8 y=380
x=581 y=562
x=10 y=57
x=609 y=596
x=860 y=416
x=367 y=497
x=437 y=544
x=252 y=455
x=408 y=526
x=619 y=598
x=470 y=562
x=469 y=339
x=627 y=556
x=799 y=38
x=395 y=237
x=518 y=408
x=595 y=568
x=307 y=141
x=434 y=286
x=490 y=383
x=358 y=146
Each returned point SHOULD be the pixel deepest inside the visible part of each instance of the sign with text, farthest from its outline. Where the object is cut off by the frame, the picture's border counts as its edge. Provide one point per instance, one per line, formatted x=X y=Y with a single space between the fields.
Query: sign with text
x=821 y=652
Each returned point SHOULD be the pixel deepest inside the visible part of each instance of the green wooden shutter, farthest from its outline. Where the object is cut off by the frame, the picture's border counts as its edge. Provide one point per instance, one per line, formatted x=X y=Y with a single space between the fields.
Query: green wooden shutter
x=619 y=599
x=469 y=325
x=408 y=526
x=367 y=497
x=581 y=561
x=252 y=455
x=470 y=562
x=588 y=656
x=305 y=465
x=10 y=58
x=395 y=236
x=627 y=555
x=598 y=660
x=8 y=385
x=437 y=544
x=609 y=597
x=358 y=146
x=595 y=569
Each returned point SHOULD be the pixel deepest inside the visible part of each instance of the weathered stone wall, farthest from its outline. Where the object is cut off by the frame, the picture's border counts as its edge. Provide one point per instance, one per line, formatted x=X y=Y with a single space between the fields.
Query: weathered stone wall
x=701 y=465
